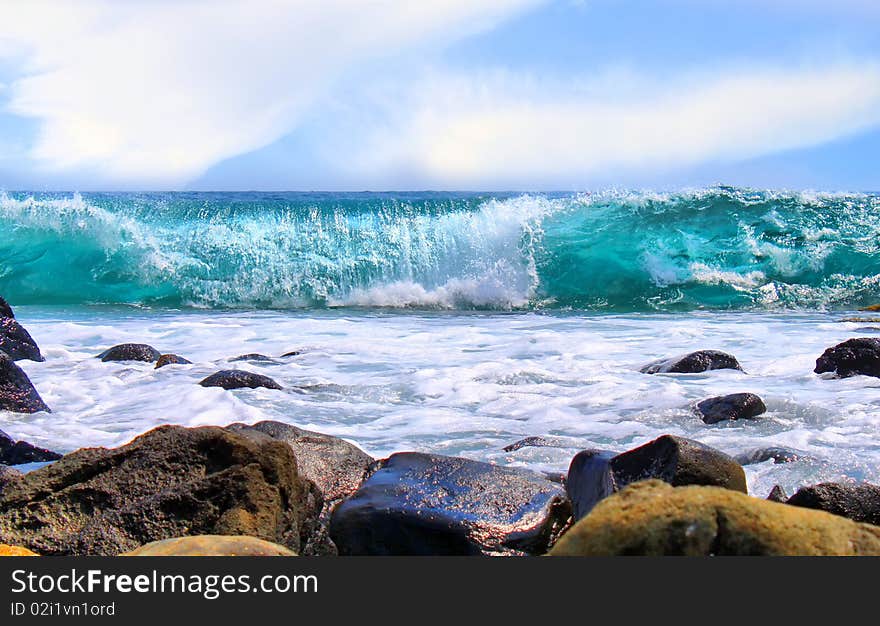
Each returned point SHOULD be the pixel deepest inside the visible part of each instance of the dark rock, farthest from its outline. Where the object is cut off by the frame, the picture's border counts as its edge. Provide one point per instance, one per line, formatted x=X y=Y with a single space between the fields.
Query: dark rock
x=779 y=455
x=735 y=406
x=336 y=467
x=253 y=358
x=17 y=394
x=777 y=494
x=695 y=362
x=17 y=452
x=8 y=475
x=536 y=442
x=17 y=342
x=851 y=358
x=424 y=504
x=171 y=359
x=590 y=479
x=131 y=352
x=169 y=482
x=5 y=309
x=858 y=502
x=292 y=353
x=239 y=379
x=679 y=461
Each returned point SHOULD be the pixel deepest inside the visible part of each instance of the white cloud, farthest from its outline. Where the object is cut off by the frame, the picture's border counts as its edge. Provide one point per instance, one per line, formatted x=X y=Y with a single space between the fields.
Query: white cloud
x=160 y=91
x=472 y=132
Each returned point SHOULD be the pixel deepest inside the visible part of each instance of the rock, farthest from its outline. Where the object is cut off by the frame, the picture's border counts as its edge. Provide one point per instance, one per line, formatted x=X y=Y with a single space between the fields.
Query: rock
x=679 y=461
x=873 y=307
x=6 y=550
x=695 y=362
x=778 y=454
x=211 y=545
x=238 y=379
x=851 y=358
x=536 y=442
x=590 y=479
x=858 y=502
x=17 y=394
x=5 y=309
x=131 y=352
x=17 y=452
x=8 y=475
x=17 y=342
x=171 y=359
x=253 y=358
x=292 y=353
x=336 y=467
x=425 y=504
x=654 y=519
x=777 y=494
x=169 y=482
x=735 y=406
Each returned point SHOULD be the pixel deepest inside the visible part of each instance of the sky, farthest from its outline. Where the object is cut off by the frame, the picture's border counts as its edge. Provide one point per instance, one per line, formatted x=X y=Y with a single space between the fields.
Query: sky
x=443 y=94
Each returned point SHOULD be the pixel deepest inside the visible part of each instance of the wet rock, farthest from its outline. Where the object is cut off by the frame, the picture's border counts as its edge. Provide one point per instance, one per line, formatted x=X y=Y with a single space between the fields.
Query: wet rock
x=6 y=550
x=169 y=482
x=590 y=479
x=695 y=362
x=5 y=309
x=292 y=353
x=652 y=518
x=131 y=352
x=851 y=358
x=761 y=455
x=424 y=504
x=212 y=545
x=17 y=342
x=171 y=359
x=734 y=406
x=859 y=502
x=239 y=379
x=536 y=442
x=18 y=452
x=777 y=494
x=253 y=358
x=17 y=394
x=873 y=307
x=336 y=467
x=8 y=475
x=679 y=461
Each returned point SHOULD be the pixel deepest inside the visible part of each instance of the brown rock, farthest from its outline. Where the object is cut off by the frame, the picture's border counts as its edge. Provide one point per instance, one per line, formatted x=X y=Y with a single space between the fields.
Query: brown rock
x=15 y=551
x=211 y=545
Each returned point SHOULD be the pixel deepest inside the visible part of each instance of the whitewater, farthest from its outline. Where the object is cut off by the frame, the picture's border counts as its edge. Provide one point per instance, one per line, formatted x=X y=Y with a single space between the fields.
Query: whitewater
x=454 y=323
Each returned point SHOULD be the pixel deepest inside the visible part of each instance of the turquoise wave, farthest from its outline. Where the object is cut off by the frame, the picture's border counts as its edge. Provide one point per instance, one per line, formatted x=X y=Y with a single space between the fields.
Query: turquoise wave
x=717 y=248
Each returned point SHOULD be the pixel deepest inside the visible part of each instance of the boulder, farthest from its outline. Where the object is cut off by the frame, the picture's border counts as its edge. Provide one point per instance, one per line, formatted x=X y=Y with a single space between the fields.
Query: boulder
x=5 y=309
x=239 y=379
x=131 y=352
x=777 y=453
x=425 y=504
x=18 y=452
x=851 y=358
x=590 y=479
x=777 y=494
x=8 y=475
x=6 y=550
x=17 y=342
x=536 y=442
x=679 y=461
x=859 y=502
x=654 y=519
x=211 y=545
x=695 y=362
x=17 y=394
x=734 y=406
x=171 y=359
x=336 y=468
x=169 y=482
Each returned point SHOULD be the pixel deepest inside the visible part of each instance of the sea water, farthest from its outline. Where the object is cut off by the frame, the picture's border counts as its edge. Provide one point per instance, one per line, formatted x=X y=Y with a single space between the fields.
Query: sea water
x=453 y=323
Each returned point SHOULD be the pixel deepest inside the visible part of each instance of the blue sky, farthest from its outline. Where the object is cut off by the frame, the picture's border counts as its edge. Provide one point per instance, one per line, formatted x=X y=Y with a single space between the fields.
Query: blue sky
x=448 y=94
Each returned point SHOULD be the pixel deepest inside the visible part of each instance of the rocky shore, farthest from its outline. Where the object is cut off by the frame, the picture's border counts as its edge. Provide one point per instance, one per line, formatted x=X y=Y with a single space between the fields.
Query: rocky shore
x=274 y=489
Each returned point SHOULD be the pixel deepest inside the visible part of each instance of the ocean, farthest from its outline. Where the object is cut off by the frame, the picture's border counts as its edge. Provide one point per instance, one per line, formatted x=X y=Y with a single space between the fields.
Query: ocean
x=454 y=323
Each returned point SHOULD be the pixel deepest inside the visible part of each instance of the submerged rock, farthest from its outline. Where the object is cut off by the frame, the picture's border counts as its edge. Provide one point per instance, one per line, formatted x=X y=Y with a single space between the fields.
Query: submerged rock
x=131 y=352
x=211 y=545
x=171 y=359
x=253 y=358
x=17 y=342
x=777 y=494
x=858 y=502
x=425 y=504
x=18 y=452
x=17 y=394
x=239 y=379
x=652 y=518
x=292 y=353
x=336 y=467
x=679 y=461
x=735 y=406
x=536 y=442
x=5 y=309
x=695 y=362
x=778 y=454
x=590 y=479
x=169 y=482
x=851 y=358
